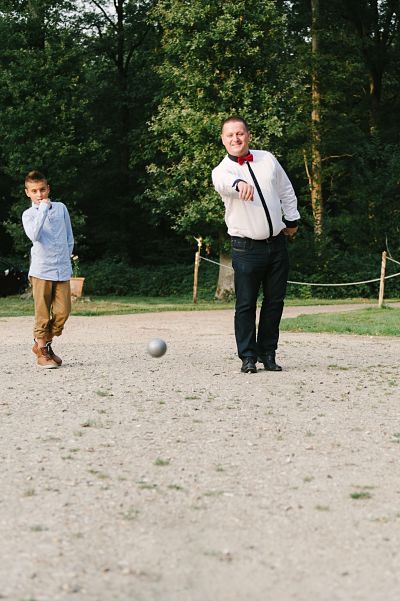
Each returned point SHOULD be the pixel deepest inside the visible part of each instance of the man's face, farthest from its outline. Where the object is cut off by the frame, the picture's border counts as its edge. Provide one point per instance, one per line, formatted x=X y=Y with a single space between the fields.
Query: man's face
x=37 y=191
x=235 y=138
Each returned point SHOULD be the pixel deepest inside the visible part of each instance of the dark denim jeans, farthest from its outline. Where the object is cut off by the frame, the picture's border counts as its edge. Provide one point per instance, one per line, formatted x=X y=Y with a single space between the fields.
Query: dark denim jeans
x=259 y=264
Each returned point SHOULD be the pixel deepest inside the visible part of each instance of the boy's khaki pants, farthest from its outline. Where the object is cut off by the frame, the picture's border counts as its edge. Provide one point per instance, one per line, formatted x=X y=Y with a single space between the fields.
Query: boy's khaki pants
x=52 y=307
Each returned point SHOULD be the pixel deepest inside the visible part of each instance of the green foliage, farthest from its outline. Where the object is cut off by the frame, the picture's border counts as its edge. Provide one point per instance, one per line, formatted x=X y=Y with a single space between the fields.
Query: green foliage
x=332 y=263
x=117 y=277
x=365 y=322
x=41 y=107
x=122 y=112
x=76 y=268
x=75 y=94
x=358 y=75
x=219 y=58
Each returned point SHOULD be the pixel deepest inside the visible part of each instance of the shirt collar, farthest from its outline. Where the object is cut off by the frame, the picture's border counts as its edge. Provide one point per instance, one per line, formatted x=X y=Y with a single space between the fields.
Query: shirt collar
x=235 y=159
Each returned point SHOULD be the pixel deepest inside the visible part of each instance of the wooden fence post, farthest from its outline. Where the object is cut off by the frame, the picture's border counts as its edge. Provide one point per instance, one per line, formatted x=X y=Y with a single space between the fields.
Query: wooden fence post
x=196 y=268
x=382 y=281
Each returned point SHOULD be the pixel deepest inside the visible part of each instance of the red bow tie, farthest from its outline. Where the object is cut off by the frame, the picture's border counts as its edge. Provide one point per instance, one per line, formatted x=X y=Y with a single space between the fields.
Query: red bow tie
x=248 y=157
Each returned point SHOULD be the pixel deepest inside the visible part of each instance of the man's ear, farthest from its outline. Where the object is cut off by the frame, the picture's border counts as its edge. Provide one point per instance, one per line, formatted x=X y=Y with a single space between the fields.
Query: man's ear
x=26 y=192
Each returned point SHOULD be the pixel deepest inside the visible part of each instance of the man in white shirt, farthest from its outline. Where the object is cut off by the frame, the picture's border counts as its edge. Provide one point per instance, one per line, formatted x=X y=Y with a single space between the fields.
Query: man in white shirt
x=260 y=210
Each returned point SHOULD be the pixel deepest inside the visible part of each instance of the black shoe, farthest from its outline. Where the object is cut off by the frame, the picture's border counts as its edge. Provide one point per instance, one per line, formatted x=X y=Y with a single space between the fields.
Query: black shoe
x=269 y=362
x=248 y=366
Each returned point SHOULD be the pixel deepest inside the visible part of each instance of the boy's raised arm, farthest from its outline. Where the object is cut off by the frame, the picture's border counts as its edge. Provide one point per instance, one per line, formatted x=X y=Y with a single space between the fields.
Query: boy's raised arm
x=33 y=221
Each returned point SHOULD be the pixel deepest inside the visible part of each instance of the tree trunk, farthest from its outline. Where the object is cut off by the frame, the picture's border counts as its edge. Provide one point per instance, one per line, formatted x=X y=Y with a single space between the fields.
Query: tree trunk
x=36 y=27
x=122 y=74
x=376 y=23
x=225 y=285
x=316 y=162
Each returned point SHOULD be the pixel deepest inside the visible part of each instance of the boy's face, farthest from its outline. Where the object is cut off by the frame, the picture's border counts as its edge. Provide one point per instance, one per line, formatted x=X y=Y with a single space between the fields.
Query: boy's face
x=37 y=191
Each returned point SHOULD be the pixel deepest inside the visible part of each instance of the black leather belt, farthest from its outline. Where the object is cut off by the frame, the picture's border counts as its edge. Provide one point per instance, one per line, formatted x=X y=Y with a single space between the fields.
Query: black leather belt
x=265 y=241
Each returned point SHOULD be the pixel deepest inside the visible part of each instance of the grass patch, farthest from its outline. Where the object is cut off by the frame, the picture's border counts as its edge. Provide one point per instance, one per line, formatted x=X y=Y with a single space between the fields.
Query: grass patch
x=15 y=306
x=103 y=393
x=160 y=461
x=130 y=514
x=361 y=495
x=364 y=322
x=38 y=528
x=91 y=423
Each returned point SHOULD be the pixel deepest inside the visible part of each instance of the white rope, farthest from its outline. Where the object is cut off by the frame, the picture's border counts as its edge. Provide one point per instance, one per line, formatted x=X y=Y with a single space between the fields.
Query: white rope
x=346 y=283
x=387 y=277
x=215 y=263
x=394 y=261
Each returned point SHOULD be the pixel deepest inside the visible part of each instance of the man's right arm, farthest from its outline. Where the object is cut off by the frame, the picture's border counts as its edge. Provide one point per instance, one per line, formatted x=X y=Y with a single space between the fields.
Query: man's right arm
x=228 y=185
x=246 y=191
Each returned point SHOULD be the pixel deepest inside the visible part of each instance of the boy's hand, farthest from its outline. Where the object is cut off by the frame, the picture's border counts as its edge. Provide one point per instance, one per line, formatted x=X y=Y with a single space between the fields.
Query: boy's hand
x=38 y=201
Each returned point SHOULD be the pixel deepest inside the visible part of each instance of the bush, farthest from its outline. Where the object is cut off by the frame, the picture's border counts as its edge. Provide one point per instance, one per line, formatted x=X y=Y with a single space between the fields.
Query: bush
x=117 y=277
x=114 y=276
x=333 y=265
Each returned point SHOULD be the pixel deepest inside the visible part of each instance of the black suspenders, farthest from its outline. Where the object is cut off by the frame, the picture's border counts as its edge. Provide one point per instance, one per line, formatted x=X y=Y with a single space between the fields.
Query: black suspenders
x=264 y=204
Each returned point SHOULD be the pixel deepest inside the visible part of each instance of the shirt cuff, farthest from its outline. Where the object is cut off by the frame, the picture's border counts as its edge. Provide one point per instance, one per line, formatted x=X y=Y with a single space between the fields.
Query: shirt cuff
x=290 y=223
x=235 y=184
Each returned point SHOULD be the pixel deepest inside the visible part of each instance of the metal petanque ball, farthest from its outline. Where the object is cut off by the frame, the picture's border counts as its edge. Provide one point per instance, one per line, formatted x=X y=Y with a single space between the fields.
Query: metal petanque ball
x=156 y=347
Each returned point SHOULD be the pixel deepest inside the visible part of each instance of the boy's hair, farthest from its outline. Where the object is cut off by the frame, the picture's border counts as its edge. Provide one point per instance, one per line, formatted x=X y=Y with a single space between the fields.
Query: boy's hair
x=234 y=118
x=35 y=176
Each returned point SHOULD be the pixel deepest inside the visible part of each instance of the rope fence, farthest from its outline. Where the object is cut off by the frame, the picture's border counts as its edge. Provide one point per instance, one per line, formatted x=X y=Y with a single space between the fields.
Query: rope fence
x=381 y=279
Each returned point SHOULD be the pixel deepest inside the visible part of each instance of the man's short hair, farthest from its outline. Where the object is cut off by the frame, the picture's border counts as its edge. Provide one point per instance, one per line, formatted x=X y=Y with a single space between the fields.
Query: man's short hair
x=35 y=176
x=233 y=119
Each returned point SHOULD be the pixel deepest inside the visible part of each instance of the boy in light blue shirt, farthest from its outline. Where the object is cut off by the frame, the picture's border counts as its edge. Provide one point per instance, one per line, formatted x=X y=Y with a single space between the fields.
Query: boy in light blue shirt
x=47 y=224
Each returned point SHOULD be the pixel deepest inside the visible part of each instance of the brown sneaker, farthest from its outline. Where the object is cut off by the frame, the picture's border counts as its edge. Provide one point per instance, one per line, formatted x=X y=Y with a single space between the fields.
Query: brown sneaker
x=35 y=349
x=44 y=359
x=52 y=354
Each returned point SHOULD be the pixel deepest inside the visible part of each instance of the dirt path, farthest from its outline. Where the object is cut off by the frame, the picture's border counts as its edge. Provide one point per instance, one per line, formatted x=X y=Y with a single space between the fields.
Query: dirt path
x=129 y=478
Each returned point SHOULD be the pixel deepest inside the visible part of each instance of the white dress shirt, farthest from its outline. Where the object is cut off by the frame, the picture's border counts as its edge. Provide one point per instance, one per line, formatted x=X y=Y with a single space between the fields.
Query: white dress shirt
x=247 y=218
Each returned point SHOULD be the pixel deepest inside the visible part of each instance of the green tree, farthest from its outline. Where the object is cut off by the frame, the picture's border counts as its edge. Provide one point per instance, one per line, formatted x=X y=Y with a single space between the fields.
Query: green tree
x=377 y=24
x=41 y=107
x=76 y=92
x=217 y=59
x=120 y=49
x=357 y=180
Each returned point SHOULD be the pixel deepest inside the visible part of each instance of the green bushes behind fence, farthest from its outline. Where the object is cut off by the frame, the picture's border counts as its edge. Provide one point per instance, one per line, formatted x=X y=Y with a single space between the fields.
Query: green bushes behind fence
x=117 y=277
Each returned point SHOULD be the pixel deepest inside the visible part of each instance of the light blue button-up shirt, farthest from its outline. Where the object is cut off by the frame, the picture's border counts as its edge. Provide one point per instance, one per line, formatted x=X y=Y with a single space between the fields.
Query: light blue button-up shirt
x=48 y=226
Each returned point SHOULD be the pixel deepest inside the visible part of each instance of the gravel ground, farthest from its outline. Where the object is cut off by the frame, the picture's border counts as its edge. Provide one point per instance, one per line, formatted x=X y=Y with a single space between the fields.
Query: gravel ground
x=129 y=478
